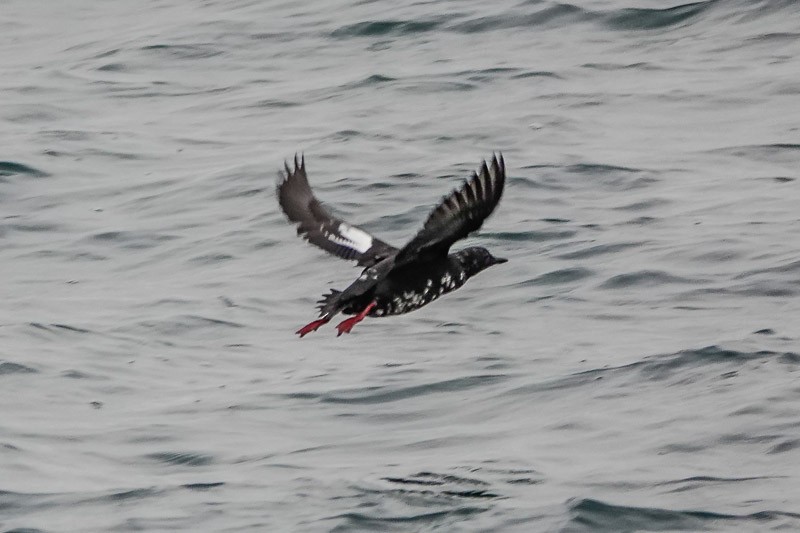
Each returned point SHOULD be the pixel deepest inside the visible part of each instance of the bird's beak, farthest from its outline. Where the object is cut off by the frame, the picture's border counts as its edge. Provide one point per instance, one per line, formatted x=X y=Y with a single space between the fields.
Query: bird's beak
x=499 y=260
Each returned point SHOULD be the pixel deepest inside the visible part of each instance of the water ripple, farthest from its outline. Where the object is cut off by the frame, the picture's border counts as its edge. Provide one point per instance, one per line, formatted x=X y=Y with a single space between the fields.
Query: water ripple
x=596 y=515
x=11 y=168
x=385 y=394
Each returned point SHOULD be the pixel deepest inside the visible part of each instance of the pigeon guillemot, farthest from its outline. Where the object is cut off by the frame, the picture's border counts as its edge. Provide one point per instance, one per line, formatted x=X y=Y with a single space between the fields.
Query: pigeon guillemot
x=396 y=281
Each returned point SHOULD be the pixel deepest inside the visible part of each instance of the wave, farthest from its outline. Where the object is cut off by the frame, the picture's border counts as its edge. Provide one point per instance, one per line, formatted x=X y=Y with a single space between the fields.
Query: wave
x=647 y=278
x=659 y=368
x=12 y=168
x=554 y=15
x=596 y=515
x=377 y=28
x=386 y=394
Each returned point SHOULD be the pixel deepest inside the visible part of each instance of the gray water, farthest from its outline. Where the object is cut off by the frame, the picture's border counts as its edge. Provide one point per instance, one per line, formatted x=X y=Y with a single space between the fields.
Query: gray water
x=634 y=367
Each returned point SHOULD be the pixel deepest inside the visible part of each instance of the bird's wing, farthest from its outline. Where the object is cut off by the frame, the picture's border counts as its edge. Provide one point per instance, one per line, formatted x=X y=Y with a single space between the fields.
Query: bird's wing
x=459 y=213
x=319 y=227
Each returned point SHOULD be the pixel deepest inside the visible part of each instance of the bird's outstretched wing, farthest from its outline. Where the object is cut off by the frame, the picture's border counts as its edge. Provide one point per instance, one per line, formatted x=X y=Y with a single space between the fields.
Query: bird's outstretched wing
x=459 y=213
x=319 y=227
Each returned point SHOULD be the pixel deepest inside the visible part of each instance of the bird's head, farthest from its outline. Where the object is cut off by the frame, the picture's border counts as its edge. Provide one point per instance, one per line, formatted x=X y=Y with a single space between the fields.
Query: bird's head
x=476 y=258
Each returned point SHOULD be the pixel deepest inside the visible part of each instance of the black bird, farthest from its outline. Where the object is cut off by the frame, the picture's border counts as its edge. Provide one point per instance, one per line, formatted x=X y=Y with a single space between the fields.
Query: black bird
x=396 y=281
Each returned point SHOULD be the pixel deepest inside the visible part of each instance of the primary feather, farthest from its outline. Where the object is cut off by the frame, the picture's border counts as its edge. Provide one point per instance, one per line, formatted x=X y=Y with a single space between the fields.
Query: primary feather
x=458 y=214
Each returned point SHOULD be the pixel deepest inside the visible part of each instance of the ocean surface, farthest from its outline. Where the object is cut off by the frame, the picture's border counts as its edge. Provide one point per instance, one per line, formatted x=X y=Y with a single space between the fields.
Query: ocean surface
x=635 y=366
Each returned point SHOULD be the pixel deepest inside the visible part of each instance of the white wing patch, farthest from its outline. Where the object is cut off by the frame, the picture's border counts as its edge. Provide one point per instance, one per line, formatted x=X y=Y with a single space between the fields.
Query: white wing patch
x=353 y=238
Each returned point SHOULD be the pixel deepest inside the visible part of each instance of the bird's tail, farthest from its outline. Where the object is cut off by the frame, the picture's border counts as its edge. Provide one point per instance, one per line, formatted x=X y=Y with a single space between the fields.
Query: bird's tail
x=329 y=304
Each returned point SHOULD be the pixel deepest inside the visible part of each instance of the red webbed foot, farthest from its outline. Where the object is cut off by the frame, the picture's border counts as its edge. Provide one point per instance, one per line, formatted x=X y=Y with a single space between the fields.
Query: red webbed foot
x=313 y=326
x=346 y=326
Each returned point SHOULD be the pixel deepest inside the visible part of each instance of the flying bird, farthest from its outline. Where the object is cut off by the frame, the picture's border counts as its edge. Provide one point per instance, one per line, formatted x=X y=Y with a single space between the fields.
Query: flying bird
x=395 y=281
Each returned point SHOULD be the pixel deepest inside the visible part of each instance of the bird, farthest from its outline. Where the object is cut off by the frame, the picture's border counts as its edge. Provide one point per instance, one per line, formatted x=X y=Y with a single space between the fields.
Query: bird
x=395 y=280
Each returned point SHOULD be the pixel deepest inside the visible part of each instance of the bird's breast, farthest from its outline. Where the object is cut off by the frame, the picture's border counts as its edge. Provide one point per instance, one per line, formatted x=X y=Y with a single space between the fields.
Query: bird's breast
x=406 y=295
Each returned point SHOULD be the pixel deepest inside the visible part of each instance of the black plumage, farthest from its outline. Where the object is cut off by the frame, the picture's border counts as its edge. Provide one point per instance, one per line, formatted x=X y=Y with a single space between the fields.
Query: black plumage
x=396 y=281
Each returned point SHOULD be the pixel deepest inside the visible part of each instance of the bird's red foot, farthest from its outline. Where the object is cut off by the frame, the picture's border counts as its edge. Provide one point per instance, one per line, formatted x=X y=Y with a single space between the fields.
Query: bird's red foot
x=347 y=325
x=313 y=326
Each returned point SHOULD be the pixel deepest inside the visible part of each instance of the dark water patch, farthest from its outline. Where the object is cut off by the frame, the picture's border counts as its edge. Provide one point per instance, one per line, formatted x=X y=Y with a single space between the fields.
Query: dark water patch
x=27 y=501
x=596 y=515
x=765 y=331
x=470 y=494
x=657 y=368
x=9 y=367
x=764 y=289
x=660 y=367
x=747 y=438
x=181 y=458
x=401 y=522
x=598 y=168
x=644 y=278
x=345 y=135
x=77 y=374
x=113 y=67
x=767 y=289
x=600 y=249
x=696 y=482
x=547 y=182
x=642 y=205
x=775 y=38
x=551 y=16
x=369 y=81
x=769 y=153
x=531 y=236
x=37 y=502
x=785 y=446
x=655 y=19
x=187 y=324
x=409 y=177
x=66 y=135
x=275 y=103
x=791 y=267
x=641 y=221
x=524 y=481
x=434 y=479
x=11 y=168
x=202 y=487
x=126 y=495
x=428 y=86
x=379 y=28
x=386 y=394
x=750 y=11
x=211 y=259
x=133 y=240
x=153 y=90
x=622 y=66
x=536 y=74
x=40 y=114
x=31 y=227
x=113 y=155
x=73 y=329
x=108 y=53
x=184 y=51
x=559 y=277
x=717 y=256
x=25 y=530
x=489 y=75
x=611 y=176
